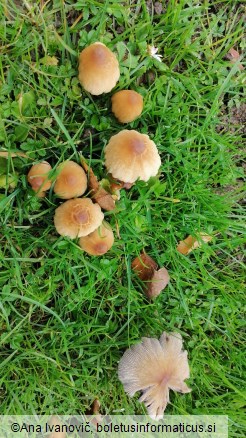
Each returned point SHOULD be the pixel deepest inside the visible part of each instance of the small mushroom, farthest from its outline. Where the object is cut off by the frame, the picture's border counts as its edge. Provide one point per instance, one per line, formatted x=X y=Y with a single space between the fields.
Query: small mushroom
x=99 y=241
x=38 y=178
x=77 y=218
x=154 y=367
x=130 y=155
x=98 y=69
x=127 y=105
x=71 y=181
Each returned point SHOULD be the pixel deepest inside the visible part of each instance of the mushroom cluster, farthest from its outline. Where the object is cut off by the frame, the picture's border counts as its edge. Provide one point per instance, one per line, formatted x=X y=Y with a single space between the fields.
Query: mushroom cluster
x=129 y=156
x=153 y=367
x=77 y=217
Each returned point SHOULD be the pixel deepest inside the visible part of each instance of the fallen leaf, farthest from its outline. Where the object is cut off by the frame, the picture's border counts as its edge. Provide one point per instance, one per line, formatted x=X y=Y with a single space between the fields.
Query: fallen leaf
x=234 y=56
x=99 y=194
x=190 y=243
x=95 y=410
x=144 y=266
x=96 y=406
x=155 y=280
x=104 y=199
x=93 y=181
x=158 y=282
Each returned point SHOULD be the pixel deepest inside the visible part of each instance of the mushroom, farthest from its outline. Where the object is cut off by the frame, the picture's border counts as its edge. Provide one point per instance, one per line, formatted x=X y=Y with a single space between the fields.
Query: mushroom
x=127 y=105
x=38 y=178
x=153 y=367
x=99 y=241
x=98 y=69
x=71 y=181
x=130 y=155
x=77 y=217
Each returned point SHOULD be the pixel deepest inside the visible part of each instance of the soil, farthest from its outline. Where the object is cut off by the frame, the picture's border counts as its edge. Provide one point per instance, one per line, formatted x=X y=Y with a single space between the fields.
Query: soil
x=233 y=120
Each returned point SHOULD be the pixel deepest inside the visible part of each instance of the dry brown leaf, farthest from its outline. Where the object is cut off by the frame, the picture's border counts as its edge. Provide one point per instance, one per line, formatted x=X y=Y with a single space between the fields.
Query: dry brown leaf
x=7 y=154
x=144 y=266
x=104 y=199
x=99 y=194
x=190 y=243
x=158 y=282
x=155 y=280
x=95 y=410
x=234 y=56
x=93 y=181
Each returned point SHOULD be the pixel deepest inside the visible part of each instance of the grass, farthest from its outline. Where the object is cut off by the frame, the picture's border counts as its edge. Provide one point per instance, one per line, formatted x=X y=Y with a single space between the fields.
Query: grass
x=66 y=317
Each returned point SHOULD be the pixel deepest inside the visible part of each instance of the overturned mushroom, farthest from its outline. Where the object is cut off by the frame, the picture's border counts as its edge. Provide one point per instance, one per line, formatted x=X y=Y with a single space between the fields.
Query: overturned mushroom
x=99 y=241
x=130 y=155
x=38 y=178
x=98 y=69
x=71 y=181
x=77 y=218
x=127 y=105
x=154 y=367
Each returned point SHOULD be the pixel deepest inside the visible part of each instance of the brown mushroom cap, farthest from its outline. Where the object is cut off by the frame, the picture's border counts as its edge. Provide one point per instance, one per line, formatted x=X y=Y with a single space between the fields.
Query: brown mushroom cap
x=98 y=69
x=98 y=242
x=130 y=155
x=127 y=105
x=71 y=181
x=77 y=217
x=38 y=178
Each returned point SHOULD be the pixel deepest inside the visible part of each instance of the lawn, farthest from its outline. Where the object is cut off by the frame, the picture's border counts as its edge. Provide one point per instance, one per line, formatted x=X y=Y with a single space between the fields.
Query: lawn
x=66 y=318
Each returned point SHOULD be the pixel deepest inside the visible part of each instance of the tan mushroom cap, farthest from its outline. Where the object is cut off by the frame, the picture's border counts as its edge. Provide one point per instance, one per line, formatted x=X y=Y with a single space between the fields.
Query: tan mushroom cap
x=127 y=105
x=77 y=217
x=38 y=178
x=98 y=69
x=130 y=155
x=98 y=242
x=71 y=181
